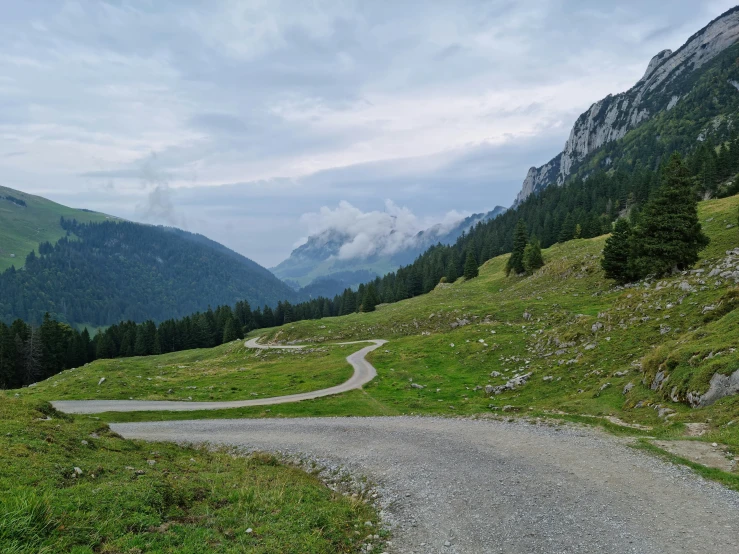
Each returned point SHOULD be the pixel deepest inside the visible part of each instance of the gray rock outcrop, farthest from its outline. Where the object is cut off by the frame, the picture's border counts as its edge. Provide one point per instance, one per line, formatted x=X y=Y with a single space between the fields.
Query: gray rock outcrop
x=719 y=387
x=612 y=117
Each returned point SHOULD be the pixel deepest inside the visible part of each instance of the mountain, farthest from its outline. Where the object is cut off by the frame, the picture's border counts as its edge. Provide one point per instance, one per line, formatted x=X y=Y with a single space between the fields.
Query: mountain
x=87 y=268
x=27 y=220
x=320 y=264
x=669 y=80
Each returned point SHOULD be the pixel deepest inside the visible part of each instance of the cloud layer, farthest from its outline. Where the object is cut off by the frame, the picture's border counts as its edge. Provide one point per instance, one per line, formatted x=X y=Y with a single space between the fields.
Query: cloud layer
x=235 y=115
x=376 y=232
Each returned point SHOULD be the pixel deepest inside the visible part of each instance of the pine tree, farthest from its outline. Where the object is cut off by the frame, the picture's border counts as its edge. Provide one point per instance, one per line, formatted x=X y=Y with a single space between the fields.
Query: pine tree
x=520 y=240
x=230 y=331
x=669 y=235
x=470 y=266
x=532 y=257
x=615 y=261
x=568 y=229
x=369 y=302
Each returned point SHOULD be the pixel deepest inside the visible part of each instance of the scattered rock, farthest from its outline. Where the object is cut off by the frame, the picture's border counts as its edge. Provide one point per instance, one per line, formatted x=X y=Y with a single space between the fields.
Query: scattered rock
x=417 y=386
x=627 y=389
x=512 y=384
x=102 y=380
x=719 y=387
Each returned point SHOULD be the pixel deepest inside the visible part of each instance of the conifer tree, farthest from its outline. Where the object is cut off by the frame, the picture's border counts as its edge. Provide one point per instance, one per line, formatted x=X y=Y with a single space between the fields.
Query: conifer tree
x=615 y=261
x=520 y=240
x=568 y=229
x=532 y=257
x=369 y=302
x=669 y=235
x=230 y=331
x=470 y=266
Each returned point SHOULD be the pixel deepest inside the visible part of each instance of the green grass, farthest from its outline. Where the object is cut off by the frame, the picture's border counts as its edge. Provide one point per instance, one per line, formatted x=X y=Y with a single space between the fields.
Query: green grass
x=227 y=372
x=135 y=497
x=22 y=229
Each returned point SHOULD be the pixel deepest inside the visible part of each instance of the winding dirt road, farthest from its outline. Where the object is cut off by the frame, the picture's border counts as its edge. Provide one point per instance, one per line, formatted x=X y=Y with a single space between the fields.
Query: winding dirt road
x=457 y=486
x=364 y=372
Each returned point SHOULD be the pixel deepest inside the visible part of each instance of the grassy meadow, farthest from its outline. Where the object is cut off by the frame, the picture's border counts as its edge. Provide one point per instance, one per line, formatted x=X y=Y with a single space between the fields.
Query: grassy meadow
x=227 y=372
x=71 y=485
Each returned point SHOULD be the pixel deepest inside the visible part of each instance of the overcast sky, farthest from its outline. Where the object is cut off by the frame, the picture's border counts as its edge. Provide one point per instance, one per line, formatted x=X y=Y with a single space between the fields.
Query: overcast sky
x=237 y=118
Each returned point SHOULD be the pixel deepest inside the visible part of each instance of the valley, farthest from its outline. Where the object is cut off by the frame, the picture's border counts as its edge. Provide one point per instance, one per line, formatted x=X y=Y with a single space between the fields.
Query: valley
x=557 y=376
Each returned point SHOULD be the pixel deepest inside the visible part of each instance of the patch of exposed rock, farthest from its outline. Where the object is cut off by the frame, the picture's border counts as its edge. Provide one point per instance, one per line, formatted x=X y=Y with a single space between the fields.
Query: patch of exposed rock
x=612 y=117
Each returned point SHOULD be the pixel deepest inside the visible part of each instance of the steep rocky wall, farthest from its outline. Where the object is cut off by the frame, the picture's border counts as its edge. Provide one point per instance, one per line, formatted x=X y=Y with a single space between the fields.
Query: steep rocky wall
x=612 y=117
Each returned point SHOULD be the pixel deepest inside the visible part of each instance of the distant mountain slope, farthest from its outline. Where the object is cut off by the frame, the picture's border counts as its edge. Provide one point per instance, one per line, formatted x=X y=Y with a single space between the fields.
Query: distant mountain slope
x=111 y=271
x=27 y=220
x=320 y=257
x=667 y=83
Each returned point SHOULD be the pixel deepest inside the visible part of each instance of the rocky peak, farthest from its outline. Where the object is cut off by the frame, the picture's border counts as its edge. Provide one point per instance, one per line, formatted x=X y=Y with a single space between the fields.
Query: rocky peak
x=612 y=117
x=656 y=62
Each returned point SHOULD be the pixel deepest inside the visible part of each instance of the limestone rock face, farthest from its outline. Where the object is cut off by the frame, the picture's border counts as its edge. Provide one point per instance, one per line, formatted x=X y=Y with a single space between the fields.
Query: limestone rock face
x=612 y=117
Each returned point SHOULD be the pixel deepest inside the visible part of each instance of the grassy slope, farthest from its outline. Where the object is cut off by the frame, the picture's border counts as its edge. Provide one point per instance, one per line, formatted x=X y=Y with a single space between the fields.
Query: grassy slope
x=137 y=497
x=565 y=299
x=227 y=372
x=23 y=228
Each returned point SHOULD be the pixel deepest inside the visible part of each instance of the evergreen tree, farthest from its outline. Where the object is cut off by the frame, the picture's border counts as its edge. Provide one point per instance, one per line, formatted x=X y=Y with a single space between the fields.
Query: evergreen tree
x=615 y=261
x=520 y=240
x=568 y=229
x=369 y=302
x=230 y=331
x=532 y=257
x=470 y=266
x=669 y=236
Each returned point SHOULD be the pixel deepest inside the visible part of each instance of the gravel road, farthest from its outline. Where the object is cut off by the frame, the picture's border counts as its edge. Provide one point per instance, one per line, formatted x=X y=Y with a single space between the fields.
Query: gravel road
x=456 y=486
x=364 y=372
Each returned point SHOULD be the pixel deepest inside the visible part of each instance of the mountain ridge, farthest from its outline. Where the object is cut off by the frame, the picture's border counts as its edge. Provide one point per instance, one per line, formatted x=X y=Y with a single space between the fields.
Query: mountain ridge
x=319 y=258
x=612 y=117
x=101 y=270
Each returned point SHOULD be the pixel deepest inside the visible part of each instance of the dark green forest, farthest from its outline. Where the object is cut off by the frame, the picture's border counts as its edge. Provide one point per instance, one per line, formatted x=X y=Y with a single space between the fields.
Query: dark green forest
x=116 y=271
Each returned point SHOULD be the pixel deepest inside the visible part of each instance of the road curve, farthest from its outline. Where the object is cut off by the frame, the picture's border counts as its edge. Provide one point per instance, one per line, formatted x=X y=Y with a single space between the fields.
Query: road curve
x=364 y=372
x=456 y=486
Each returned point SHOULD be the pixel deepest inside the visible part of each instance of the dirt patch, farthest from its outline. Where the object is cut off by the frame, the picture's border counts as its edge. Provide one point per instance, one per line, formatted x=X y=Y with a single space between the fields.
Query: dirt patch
x=701 y=453
x=696 y=429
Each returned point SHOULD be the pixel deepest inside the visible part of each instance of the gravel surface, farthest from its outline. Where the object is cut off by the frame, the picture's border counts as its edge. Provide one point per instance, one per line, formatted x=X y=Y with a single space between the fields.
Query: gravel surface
x=457 y=486
x=364 y=372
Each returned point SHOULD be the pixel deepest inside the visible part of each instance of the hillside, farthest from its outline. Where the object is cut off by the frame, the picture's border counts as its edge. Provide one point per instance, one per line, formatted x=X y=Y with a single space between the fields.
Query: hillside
x=72 y=485
x=100 y=273
x=322 y=257
x=684 y=98
x=27 y=220
x=563 y=343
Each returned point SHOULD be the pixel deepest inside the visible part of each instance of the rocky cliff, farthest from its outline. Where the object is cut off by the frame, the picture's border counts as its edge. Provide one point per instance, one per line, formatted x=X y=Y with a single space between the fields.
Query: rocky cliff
x=660 y=89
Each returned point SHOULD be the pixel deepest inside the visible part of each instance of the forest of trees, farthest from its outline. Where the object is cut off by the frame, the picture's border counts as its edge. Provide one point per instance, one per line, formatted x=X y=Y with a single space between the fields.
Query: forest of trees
x=102 y=273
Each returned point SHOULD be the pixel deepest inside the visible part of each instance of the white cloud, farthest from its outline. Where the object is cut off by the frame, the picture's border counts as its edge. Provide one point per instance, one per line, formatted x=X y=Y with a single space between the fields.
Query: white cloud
x=375 y=232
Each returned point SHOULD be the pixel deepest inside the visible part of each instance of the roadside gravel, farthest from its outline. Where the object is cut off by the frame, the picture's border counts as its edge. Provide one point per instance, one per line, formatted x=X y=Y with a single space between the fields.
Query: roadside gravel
x=456 y=486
